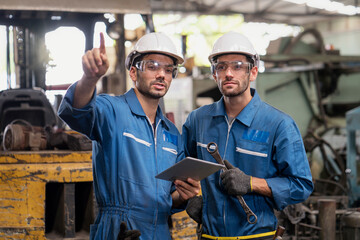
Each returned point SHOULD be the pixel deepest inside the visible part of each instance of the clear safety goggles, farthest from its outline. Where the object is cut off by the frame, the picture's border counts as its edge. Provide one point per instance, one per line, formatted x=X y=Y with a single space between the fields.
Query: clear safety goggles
x=235 y=66
x=154 y=66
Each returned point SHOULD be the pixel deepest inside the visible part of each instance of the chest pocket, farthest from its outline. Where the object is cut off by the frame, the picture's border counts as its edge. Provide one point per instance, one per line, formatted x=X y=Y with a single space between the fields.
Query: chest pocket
x=136 y=150
x=252 y=157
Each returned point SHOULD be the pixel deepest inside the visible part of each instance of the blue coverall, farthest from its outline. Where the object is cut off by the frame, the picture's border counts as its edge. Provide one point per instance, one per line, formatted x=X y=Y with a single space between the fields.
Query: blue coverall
x=263 y=142
x=127 y=154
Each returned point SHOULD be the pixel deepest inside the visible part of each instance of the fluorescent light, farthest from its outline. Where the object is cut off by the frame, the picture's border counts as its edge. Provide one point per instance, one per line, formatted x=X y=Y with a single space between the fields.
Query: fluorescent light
x=321 y=4
x=334 y=6
x=348 y=10
x=331 y=6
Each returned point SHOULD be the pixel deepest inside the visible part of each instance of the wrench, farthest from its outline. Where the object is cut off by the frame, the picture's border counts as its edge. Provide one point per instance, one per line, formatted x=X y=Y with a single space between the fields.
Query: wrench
x=212 y=148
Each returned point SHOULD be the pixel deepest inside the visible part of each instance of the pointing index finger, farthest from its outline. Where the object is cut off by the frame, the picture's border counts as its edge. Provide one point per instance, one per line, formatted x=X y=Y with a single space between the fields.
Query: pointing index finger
x=102 y=43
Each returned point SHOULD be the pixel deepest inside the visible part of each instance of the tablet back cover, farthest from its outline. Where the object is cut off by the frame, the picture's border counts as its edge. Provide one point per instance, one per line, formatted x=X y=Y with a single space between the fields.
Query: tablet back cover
x=190 y=168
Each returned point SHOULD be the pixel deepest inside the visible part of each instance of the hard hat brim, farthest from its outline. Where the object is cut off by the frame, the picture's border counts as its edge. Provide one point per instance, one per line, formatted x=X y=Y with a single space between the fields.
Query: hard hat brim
x=179 y=59
x=228 y=52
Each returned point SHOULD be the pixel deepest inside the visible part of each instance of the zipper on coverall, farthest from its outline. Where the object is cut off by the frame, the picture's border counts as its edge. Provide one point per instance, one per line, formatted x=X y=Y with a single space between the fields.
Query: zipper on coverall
x=155 y=143
x=227 y=140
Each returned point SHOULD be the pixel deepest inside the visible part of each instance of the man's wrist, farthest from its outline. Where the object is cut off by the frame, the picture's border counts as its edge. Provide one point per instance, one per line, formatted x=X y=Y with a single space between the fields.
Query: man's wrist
x=260 y=186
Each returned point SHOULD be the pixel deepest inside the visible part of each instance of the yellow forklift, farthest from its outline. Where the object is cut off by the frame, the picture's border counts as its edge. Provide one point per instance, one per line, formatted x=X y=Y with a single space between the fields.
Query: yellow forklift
x=46 y=173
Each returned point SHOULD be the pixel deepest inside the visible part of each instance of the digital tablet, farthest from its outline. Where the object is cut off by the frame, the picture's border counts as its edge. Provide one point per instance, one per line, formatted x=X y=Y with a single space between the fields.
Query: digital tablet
x=190 y=168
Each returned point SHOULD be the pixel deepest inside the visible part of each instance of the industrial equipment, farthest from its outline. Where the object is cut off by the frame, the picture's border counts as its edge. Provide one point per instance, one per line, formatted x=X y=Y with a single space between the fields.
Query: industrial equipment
x=45 y=172
x=47 y=193
x=319 y=89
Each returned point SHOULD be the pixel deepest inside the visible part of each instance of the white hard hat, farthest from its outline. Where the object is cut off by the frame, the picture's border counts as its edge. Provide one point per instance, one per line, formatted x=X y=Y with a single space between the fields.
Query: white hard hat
x=233 y=42
x=155 y=42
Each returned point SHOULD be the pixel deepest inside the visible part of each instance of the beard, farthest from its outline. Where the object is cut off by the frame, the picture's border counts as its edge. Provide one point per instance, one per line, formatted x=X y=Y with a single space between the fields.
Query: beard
x=238 y=91
x=147 y=91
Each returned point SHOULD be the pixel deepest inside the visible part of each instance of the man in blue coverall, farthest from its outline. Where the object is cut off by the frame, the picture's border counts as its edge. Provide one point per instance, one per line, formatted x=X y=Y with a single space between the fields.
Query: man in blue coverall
x=262 y=146
x=132 y=141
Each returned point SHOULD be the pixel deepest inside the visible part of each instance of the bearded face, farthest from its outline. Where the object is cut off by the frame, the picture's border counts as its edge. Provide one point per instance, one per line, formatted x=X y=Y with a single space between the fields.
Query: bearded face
x=232 y=74
x=154 y=75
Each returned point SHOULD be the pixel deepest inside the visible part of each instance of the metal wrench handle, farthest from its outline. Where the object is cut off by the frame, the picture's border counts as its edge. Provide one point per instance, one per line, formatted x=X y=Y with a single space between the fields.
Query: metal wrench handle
x=212 y=148
x=248 y=211
x=215 y=152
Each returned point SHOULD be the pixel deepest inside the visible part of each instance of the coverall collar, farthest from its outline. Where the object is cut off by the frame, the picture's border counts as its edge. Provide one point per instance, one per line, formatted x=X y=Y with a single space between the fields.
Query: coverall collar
x=137 y=109
x=247 y=115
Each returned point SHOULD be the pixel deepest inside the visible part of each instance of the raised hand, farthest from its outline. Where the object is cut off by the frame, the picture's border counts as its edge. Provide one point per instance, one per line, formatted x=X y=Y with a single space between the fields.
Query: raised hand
x=95 y=62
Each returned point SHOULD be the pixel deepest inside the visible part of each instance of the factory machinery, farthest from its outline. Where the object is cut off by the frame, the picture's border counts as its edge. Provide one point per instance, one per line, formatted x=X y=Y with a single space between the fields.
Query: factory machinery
x=46 y=173
x=319 y=88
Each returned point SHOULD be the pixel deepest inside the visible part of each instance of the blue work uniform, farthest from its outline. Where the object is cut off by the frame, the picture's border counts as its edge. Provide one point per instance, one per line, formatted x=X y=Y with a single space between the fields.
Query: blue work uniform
x=127 y=154
x=261 y=141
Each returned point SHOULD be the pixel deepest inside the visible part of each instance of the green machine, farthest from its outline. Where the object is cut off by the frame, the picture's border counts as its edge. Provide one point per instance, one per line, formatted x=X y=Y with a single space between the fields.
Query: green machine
x=309 y=82
x=320 y=89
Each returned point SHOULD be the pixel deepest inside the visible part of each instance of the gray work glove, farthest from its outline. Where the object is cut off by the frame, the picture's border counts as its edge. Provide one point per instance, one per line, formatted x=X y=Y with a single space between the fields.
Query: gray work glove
x=125 y=234
x=235 y=181
x=194 y=208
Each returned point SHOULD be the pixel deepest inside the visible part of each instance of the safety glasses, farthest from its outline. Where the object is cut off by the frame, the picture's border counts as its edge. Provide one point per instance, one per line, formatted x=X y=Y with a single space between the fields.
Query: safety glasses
x=154 y=66
x=235 y=66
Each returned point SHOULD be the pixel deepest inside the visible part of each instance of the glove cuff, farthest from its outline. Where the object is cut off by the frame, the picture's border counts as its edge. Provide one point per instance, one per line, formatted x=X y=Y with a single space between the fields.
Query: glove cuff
x=251 y=186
